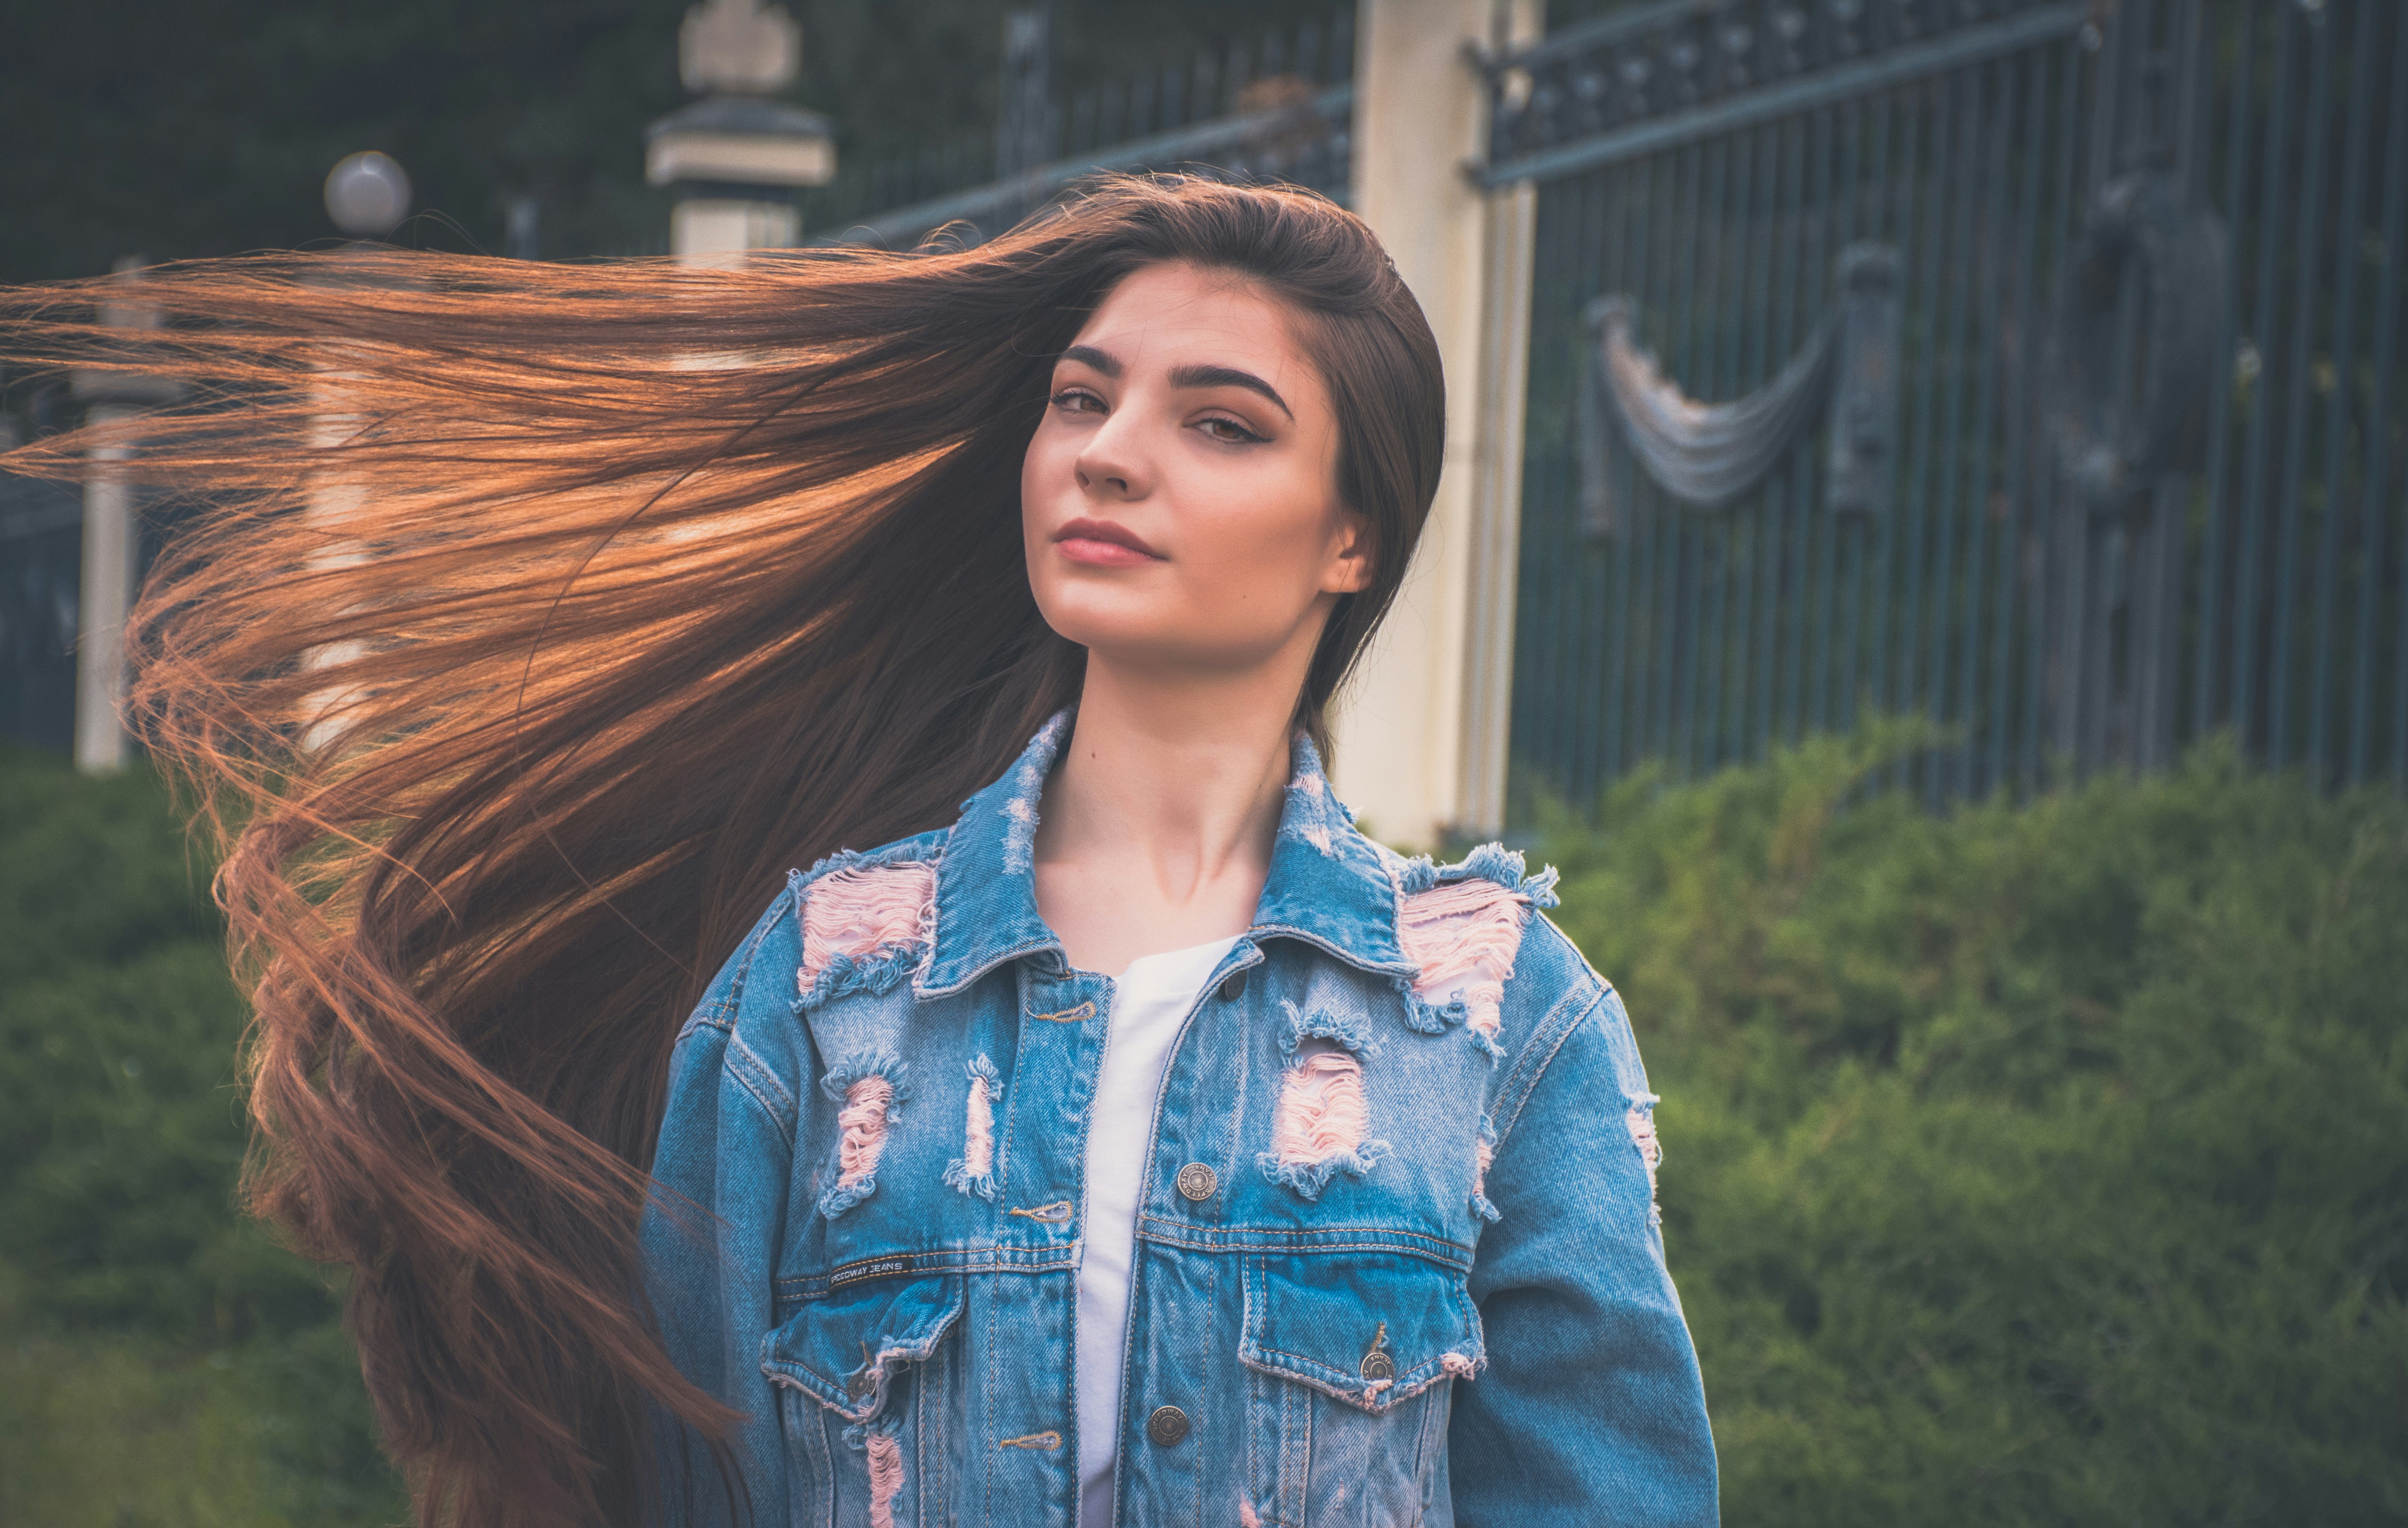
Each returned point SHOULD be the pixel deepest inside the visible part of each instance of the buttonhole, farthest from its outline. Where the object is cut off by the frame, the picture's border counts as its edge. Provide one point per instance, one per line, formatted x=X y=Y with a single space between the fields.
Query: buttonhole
x=1048 y=1439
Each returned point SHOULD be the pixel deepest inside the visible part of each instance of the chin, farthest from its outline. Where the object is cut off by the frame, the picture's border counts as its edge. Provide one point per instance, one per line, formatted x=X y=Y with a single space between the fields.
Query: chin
x=1113 y=633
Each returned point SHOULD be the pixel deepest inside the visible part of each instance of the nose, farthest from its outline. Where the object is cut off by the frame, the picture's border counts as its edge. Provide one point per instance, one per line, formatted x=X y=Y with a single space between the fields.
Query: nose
x=1114 y=465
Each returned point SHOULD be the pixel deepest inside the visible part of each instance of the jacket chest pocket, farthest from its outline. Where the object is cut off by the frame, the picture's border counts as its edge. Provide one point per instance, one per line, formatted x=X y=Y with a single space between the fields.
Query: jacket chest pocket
x=1350 y=1357
x=867 y=1379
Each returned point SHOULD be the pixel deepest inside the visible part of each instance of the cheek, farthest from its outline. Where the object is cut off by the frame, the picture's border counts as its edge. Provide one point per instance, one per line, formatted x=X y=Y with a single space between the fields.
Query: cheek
x=1267 y=540
x=1039 y=470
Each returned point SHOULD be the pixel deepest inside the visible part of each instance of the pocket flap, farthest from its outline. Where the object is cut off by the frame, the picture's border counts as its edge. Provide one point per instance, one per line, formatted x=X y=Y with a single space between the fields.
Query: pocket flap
x=1371 y=1331
x=843 y=1349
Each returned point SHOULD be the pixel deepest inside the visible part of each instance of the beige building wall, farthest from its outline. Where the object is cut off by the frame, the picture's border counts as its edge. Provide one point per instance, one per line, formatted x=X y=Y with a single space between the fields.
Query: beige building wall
x=1421 y=730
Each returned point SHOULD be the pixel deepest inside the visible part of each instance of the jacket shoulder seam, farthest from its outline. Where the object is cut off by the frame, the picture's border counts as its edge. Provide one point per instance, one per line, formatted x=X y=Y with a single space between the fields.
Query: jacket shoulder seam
x=744 y=1067
x=1535 y=1055
x=743 y=973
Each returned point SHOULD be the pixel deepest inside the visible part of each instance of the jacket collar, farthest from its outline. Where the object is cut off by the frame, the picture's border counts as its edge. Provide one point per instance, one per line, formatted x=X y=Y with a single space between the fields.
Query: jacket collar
x=1328 y=885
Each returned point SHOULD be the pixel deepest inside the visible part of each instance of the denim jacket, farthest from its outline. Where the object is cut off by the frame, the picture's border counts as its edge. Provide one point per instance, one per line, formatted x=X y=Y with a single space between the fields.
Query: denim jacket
x=1396 y=1261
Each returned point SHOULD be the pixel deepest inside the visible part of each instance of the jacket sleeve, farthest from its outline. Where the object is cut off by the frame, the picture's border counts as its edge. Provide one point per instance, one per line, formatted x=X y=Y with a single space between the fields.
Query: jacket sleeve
x=1590 y=1410
x=717 y=1220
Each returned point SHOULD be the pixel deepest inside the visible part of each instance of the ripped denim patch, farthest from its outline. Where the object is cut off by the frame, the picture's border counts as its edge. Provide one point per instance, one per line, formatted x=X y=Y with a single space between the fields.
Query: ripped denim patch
x=866 y=927
x=1641 y=1121
x=871 y=1089
x=973 y=1171
x=1323 y=1125
x=1484 y=1156
x=1462 y=926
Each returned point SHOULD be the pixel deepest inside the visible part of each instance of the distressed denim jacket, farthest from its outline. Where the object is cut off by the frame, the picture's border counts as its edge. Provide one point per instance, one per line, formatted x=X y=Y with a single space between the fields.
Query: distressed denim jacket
x=1397 y=1258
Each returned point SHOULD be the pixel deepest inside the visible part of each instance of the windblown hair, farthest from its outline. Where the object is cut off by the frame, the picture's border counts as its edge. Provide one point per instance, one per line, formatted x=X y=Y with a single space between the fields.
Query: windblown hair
x=532 y=620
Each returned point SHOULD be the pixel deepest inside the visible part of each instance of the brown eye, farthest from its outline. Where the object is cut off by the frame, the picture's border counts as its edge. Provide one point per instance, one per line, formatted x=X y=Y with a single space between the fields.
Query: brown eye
x=1236 y=433
x=1069 y=399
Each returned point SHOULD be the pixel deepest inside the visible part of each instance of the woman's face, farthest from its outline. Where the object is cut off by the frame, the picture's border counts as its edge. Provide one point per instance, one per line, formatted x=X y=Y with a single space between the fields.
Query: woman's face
x=1179 y=502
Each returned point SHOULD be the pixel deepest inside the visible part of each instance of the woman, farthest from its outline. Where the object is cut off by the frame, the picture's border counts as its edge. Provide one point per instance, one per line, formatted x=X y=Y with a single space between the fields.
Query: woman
x=1135 y=1141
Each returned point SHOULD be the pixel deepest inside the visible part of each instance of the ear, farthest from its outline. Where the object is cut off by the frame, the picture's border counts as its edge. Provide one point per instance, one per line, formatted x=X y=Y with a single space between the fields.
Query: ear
x=1349 y=571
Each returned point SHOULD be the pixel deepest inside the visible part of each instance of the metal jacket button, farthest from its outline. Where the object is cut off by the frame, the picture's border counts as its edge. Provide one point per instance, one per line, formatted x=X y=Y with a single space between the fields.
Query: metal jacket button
x=1377 y=1361
x=1231 y=985
x=1197 y=1181
x=1166 y=1426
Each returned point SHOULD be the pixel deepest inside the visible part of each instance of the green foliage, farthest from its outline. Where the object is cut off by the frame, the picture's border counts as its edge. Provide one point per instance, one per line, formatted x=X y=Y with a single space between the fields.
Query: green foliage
x=2025 y=1164
x=160 y=1360
x=2038 y=1164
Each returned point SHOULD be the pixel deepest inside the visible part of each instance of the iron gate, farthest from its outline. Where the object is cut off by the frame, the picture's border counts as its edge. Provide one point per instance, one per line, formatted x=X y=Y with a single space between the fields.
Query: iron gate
x=2146 y=455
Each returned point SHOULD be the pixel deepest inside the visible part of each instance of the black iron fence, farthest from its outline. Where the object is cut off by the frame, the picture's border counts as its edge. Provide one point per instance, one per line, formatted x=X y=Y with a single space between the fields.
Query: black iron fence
x=1278 y=106
x=2146 y=449
x=2033 y=366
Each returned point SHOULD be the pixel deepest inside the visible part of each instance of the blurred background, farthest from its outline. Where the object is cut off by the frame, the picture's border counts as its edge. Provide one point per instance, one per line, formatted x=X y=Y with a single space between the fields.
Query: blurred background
x=1924 y=550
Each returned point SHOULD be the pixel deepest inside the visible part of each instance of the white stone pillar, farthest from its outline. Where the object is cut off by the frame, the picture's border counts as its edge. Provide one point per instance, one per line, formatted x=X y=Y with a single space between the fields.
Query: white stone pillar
x=1421 y=730
x=109 y=547
x=736 y=157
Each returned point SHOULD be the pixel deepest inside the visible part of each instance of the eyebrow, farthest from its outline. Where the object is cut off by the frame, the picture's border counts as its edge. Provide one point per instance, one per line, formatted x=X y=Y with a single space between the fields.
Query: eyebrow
x=1227 y=376
x=1184 y=377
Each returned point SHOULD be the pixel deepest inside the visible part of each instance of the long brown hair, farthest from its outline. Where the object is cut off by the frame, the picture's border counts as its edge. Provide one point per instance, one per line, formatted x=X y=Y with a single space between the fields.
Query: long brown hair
x=534 y=619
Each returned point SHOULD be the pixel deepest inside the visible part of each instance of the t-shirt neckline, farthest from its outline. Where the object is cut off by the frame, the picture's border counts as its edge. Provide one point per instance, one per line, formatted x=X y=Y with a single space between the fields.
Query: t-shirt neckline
x=1163 y=967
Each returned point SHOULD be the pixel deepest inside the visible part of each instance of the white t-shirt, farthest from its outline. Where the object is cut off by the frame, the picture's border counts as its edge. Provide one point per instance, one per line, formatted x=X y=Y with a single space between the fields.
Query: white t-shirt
x=1153 y=996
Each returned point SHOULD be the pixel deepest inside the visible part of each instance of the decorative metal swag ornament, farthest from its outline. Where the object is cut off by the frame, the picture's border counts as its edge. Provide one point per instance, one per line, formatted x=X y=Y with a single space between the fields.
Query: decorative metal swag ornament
x=1708 y=455
x=2134 y=358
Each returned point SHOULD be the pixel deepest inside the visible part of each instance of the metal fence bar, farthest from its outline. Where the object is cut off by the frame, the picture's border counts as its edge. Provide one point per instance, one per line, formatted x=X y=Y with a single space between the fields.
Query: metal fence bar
x=1827 y=128
x=1949 y=771
x=2373 y=508
x=2021 y=407
x=2281 y=679
x=1728 y=547
x=1800 y=135
x=1591 y=752
x=1753 y=690
x=2045 y=597
x=2274 y=154
x=1675 y=528
x=1625 y=197
x=2154 y=610
x=1938 y=200
x=1630 y=694
x=1701 y=540
x=1946 y=637
x=2205 y=712
x=1858 y=531
x=2346 y=260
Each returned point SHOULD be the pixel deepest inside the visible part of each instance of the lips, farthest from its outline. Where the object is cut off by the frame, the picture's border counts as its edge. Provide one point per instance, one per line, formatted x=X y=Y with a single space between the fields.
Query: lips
x=1099 y=543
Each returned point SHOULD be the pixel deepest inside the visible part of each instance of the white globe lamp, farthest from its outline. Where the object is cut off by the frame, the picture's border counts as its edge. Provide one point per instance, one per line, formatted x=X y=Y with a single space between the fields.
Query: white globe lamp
x=368 y=195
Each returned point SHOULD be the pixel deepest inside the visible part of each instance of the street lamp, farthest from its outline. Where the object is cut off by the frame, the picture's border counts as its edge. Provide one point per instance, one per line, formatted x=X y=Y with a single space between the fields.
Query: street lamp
x=368 y=195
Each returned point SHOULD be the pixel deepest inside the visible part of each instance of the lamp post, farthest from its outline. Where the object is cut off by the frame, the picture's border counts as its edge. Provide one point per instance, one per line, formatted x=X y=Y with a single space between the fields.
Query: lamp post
x=367 y=195
x=736 y=157
x=112 y=538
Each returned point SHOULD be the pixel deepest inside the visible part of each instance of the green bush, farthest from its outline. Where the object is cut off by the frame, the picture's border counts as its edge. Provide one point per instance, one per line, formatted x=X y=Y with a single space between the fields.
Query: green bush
x=2025 y=1165
x=162 y=1361
x=2038 y=1164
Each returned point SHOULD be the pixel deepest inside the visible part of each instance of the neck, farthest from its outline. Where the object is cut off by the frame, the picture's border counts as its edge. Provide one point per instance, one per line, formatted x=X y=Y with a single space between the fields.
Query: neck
x=1156 y=827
